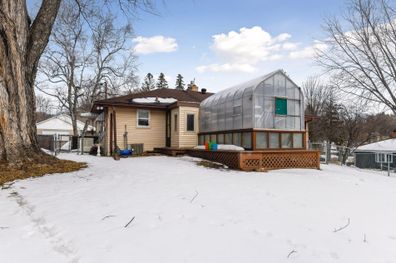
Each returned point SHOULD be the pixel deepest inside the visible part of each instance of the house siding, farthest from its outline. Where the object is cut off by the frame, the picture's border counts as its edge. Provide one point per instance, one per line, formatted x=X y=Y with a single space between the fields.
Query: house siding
x=188 y=138
x=126 y=120
x=366 y=160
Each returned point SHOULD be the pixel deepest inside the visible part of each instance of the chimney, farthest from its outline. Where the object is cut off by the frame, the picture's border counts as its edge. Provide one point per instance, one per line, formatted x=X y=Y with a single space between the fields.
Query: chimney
x=192 y=86
x=203 y=91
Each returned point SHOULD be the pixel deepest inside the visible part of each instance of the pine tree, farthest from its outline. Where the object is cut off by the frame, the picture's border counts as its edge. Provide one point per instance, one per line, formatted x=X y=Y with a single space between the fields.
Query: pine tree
x=162 y=83
x=179 y=82
x=148 y=83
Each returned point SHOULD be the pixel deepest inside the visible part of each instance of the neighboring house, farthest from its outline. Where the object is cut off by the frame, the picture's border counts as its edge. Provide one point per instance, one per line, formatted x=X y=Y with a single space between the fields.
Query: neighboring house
x=370 y=156
x=157 y=118
x=60 y=124
x=266 y=113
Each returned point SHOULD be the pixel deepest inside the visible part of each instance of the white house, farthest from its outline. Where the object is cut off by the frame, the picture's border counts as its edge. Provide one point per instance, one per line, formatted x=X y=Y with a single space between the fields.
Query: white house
x=60 y=124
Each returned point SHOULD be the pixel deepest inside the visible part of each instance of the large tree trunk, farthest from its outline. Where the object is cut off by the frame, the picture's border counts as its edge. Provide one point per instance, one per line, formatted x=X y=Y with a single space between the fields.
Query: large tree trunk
x=21 y=45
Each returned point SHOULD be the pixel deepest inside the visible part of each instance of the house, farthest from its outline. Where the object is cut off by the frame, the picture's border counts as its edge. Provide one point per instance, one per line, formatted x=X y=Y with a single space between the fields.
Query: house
x=151 y=119
x=266 y=113
x=60 y=124
x=376 y=155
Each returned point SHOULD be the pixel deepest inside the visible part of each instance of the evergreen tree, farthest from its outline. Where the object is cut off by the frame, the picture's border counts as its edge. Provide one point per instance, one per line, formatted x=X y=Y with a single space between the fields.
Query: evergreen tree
x=179 y=82
x=148 y=83
x=162 y=83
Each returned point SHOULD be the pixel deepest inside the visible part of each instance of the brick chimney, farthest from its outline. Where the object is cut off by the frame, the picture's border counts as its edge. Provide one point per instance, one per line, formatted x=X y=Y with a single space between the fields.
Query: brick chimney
x=192 y=86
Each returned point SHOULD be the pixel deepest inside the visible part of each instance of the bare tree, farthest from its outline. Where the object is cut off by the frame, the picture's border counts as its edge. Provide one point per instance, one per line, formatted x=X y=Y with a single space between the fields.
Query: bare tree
x=353 y=132
x=361 y=51
x=44 y=108
x=82 y=64
x=315 y=93
x=22 y=42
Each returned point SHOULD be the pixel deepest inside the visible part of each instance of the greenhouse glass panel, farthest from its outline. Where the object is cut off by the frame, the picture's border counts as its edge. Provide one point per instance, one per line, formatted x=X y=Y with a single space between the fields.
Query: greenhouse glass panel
x=290 y=123
x=279 y=85
x=297 y=140
x=297 y=123
x=213 y=138
x=274 y=140
x=236 y=139
x=247 y=108
x=228 y=138
x=201 y=139
x=229 y=119
x=220 y=138
x=221 y=117
x=261 y=140
x=290 y=90
x=269 y=104
x=291 y=107
x=280 y=122
x=286 y=139
x=269 y=122
x=247 y=140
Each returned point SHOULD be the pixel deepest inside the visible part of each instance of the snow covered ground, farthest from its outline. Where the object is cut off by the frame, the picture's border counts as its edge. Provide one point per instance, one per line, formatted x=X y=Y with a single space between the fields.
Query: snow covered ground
x=187 y=213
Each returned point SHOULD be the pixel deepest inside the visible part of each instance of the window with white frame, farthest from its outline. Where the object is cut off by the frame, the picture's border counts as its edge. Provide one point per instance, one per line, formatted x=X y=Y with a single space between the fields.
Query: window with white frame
x=143 y=118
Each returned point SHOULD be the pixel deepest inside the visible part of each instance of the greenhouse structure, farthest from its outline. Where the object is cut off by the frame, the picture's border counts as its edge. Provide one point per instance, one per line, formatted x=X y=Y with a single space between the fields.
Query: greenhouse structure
x=266 y=113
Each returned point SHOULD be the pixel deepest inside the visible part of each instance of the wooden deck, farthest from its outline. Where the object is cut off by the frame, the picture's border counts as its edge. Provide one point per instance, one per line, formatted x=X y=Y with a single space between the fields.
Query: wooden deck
x=171 y=151
x=252 y=160
x=261 y=160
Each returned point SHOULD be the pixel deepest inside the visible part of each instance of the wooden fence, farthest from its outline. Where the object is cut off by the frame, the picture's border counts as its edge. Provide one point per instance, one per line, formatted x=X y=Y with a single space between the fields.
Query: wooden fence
x=261 y=160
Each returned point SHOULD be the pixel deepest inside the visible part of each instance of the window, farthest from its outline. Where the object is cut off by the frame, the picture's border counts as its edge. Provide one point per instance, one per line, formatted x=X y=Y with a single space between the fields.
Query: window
x=228 y=138
x=261 y=140
x=220 y=138
x=297 y=140
x=143 y=118
x=280 y=106
x=383 y=157
x=175 y=118
x=190 y=122
x=274 y=140
x=286 y=140
x=236 y=139
x=213 y=138
x=247 y=140
x=201 y=140
x=237 y=110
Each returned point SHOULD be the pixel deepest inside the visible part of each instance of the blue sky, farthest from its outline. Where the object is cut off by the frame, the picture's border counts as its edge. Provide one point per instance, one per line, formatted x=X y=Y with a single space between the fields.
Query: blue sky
x=193 y=38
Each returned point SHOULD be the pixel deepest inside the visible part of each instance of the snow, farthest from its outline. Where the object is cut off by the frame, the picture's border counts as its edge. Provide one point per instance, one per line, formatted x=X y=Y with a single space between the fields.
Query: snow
x=382 y=146
x=154 y=100
x=188 y=213
x=228 y=147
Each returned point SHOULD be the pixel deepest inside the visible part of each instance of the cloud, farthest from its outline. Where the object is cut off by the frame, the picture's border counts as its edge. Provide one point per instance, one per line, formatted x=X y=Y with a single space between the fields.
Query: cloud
x=308 y=52
x=155 y=44
x=249 y=45
x=242 y=51
x=227 y=67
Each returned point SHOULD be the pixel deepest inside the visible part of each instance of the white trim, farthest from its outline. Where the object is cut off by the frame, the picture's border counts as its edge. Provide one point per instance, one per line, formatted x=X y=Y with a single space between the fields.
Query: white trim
x=137 y=119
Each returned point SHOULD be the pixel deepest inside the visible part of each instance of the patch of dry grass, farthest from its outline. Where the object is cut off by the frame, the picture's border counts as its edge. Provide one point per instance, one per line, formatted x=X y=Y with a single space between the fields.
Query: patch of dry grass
x=36 y=169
